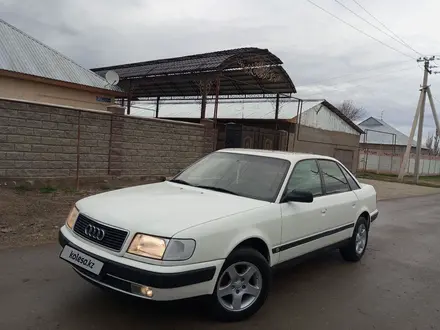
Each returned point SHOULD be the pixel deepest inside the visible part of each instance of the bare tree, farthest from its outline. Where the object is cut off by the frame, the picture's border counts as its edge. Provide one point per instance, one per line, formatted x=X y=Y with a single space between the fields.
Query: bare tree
x=436 y=147
x=351 y=111
x=433 y=144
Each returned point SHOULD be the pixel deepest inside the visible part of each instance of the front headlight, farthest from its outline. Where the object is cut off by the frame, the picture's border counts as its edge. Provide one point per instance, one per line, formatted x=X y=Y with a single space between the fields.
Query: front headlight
x=161 y=248
x=148 y=246
x=71 y=218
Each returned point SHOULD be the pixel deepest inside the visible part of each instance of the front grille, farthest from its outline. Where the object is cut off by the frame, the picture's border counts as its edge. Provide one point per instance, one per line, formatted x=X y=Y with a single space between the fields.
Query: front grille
x=113 y=238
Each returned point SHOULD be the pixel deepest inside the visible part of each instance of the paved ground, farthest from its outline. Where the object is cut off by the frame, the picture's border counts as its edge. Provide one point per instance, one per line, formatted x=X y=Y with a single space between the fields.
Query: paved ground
x=388 y=190
x=396 y=286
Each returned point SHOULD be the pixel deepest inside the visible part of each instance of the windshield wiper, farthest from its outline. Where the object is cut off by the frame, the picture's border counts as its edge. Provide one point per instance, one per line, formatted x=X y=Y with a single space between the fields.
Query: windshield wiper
x=181 y=182
x=223 y=190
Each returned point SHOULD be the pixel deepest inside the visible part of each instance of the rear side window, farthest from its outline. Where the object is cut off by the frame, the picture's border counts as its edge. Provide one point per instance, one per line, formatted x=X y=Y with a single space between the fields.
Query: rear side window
x=351 y=182
x=334 y=180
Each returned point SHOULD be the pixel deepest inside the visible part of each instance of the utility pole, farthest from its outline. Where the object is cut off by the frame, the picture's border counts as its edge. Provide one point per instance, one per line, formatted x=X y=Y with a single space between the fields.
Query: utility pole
x=419 y=118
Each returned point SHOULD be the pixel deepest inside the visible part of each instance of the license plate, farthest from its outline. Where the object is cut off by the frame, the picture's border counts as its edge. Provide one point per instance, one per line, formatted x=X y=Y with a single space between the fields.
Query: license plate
x=81 y=259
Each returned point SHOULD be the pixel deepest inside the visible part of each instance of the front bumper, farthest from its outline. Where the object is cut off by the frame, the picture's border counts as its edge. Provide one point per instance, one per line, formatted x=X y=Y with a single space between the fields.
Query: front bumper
x=190 y=281
x=374 y=215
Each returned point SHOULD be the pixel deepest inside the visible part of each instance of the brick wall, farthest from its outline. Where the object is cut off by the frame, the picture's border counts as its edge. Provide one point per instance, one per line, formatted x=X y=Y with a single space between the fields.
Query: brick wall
x=40 y=141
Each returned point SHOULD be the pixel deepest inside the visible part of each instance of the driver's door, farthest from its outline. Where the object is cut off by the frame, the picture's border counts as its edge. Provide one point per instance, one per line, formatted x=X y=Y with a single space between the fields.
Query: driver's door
x=302 y=221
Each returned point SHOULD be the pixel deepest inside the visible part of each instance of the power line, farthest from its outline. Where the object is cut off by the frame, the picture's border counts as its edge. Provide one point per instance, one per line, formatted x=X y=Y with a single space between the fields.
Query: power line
x=354 y=73
x=360 y=78
x=386 y=27
x=359 y=85
x=377 y=28
x=360 y=31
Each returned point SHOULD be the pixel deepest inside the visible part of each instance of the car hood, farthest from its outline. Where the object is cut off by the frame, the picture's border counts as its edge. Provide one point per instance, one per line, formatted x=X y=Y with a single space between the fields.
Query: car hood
x=163 y=209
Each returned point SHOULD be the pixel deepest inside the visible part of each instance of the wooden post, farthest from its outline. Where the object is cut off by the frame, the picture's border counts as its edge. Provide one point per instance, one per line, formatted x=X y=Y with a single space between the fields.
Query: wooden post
x=217 y=92
x=77 y=149
x=378 y=159
x=109 y=167
x=203 y=109
x=277 y=109
x=129 y=98
x=157 y=106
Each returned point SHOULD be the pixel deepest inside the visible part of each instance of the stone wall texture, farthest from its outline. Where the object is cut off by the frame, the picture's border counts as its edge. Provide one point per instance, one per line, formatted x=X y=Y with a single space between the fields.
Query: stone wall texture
x=40 y=141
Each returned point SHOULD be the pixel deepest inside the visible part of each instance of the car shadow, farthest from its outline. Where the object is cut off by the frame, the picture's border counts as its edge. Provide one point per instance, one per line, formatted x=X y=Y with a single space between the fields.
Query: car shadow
x=115 y=310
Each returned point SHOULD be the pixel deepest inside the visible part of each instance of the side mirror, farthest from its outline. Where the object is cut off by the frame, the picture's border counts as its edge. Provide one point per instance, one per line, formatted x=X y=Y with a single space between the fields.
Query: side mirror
x=298 y=196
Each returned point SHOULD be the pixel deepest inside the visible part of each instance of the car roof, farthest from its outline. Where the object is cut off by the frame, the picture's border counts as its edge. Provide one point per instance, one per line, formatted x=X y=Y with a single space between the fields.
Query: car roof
x=291 y=156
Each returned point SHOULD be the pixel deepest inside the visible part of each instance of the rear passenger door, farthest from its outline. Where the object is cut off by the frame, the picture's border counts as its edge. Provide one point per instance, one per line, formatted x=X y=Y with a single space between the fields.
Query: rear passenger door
x=341 y=201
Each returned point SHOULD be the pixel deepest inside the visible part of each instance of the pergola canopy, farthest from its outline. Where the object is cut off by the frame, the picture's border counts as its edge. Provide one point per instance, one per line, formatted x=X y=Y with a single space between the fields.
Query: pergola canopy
x=242 y=71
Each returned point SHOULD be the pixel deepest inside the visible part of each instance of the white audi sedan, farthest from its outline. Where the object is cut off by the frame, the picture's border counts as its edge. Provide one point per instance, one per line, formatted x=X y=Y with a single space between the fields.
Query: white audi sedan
x=219 y=227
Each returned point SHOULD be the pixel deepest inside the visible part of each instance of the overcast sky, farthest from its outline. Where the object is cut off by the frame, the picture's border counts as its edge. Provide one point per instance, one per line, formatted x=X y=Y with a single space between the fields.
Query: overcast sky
x=314 y=46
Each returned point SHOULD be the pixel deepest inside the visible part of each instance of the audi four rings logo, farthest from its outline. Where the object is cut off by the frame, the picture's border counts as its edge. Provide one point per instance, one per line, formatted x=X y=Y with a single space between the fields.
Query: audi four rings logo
x=94 y=232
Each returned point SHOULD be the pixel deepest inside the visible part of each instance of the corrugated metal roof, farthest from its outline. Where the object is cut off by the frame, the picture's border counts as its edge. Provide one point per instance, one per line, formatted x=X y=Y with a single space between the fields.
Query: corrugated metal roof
x=193 y=63
x=384 y=134
x=21 y=53
x=180 y=76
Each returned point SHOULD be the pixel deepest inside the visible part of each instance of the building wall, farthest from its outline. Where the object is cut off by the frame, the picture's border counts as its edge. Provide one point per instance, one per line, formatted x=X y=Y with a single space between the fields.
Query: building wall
x=343 y=146
x=323 y=118
x=33 y=91
x=39 y=141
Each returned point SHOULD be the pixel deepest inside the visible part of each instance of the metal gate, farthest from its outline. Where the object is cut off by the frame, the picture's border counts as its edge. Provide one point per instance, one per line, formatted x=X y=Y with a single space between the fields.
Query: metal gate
x=239 y=136
x=345 y=157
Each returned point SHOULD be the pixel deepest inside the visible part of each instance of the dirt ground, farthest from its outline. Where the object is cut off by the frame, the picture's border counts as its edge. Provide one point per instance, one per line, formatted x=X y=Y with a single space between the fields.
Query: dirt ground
x=32 y=217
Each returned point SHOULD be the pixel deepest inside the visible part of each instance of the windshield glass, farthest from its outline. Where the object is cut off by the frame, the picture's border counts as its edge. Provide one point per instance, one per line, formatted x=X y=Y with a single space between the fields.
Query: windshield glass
x=244 y=175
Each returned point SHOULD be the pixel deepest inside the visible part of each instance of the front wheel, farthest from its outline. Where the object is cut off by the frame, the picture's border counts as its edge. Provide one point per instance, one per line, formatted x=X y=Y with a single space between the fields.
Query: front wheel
x=355 y=249
x=242 y=286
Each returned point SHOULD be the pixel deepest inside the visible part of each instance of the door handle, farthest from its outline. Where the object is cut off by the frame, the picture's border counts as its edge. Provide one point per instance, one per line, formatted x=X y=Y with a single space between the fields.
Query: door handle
x=323 y=211
x=353 y=205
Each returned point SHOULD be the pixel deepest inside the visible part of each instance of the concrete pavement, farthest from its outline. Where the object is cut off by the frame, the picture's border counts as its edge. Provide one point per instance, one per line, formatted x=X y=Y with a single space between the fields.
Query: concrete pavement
x=395 y=286
x=388 y=190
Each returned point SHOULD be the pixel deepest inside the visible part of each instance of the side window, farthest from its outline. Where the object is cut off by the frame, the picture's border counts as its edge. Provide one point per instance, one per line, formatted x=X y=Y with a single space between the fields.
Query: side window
x=305 y=177
x=334 y=179
x=351 y=181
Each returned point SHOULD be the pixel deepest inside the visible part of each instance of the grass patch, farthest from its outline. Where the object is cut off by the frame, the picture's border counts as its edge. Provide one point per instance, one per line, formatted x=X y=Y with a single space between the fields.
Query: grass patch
x=69 y=190
x=434 y=178
x=48 y=190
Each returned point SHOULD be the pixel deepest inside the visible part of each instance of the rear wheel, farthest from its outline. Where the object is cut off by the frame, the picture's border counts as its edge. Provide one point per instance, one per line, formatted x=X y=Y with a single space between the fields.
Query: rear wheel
x=242 y=286
x=355 y=249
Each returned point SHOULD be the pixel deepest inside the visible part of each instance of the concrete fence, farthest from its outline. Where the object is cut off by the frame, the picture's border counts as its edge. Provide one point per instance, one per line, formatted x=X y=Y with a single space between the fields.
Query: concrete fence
x=389 y=163
x=42 y=141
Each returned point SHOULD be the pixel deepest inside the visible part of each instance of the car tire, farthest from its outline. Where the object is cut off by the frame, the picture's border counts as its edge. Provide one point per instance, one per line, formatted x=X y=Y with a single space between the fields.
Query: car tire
x=357 y=245
x=239 y=294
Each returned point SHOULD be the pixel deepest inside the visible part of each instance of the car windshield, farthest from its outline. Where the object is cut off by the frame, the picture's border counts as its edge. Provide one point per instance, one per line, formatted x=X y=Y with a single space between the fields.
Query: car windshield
x=239 y=174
